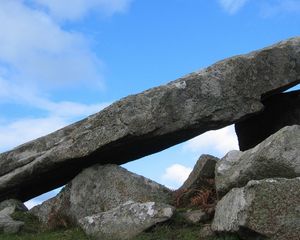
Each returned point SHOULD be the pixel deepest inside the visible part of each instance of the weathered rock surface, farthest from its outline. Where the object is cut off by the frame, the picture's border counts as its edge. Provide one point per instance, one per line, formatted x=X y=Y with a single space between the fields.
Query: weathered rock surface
x=16 y=204
x=125 y=221
x=277 y=156
x=98 y=189
x=204 y=168
x=195 y=216
x=265 y=209
x=7 y=224
x=141 y=124
x=280 y=110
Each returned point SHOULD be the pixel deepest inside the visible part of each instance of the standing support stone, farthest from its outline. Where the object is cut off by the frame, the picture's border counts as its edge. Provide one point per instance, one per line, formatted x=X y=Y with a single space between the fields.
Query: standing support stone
x=280 y=110
x=98 y=189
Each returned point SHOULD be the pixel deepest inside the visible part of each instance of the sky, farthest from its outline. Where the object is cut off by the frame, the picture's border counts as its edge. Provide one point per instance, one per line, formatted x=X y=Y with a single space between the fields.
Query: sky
x=62 y=60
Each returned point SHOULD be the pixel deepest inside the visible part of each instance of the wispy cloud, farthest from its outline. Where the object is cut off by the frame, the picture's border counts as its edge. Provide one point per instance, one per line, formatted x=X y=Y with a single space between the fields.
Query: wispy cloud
x=232 y=6
x=77 y=9
x=267 y=8
x=277 y=7
x=60 y=114
x=23 y=130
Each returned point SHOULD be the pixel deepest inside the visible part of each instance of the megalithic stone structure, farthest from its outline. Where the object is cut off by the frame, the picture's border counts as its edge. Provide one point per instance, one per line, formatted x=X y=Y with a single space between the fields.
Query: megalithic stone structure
x=145 y=123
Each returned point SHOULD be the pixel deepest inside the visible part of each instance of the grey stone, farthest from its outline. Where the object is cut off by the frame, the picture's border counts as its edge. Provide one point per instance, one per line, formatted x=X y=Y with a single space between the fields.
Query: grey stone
x=264 y=209
x=145 y=123
x=204 y=168
x=99 y=189
x=18 y=205
x=195 y=216
x=55 y=212
x=7 y=224
x=277 y=156
x=280 y=110
x=125 y=221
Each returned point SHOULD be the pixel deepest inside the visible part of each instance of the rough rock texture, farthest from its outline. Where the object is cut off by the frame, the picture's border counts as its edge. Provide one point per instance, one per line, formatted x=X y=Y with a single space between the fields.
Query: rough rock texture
x=195 y=216
x=277 y=156
x=280 y=110
x=99 y=189
x=125 y=221
x=141 y=124
x=265 y=209
x=204 y=168
x=7 y=224
x=16 y=204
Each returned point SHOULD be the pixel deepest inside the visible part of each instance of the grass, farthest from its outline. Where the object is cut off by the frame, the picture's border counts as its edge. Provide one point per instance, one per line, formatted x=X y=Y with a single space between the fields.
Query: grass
x=178 y=229
x=175 y=229
x=32 y=230
x=67 y=234
x=225 y=237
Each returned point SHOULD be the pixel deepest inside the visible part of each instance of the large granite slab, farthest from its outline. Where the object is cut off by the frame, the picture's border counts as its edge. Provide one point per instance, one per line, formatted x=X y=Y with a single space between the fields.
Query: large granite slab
x=145 y=123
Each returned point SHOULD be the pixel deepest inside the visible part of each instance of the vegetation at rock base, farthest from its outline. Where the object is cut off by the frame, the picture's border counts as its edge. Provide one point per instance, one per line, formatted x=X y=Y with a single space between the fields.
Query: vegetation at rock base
x=33 y=230
x=178 y=229
x=174 y=229
x=201 y=195
x=66 y=234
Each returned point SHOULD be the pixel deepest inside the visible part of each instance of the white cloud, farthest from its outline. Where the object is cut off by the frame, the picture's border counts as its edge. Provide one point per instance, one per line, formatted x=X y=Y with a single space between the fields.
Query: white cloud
x=268 y=8
x=37 y=50
x=61 y=114
x=27 y=96
x=275 y=7
x=76 y=9
x=217 y=142
x=71 y=109
x=232 y=6
x=23 y=130
x=175 y=175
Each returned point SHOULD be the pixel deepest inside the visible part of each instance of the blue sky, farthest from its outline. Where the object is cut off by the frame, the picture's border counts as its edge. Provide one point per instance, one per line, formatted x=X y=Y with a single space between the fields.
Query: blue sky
x=62 y=60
